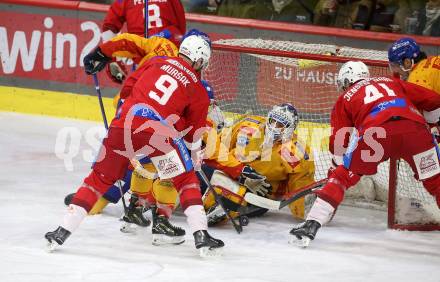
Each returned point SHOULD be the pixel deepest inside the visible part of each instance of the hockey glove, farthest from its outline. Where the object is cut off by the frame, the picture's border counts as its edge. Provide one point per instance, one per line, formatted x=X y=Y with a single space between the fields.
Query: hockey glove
x=254 y=181
x=95 y=61
x=117 y=71
x=336 y=161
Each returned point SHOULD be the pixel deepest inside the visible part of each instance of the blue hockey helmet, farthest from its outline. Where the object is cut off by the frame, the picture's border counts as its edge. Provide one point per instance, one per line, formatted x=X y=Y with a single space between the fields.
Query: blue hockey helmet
x=404 y=48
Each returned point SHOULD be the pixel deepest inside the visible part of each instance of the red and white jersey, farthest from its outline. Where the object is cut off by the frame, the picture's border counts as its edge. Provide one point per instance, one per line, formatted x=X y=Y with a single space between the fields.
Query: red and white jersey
x=169 y=86
x=162 y=14
x=373 y=101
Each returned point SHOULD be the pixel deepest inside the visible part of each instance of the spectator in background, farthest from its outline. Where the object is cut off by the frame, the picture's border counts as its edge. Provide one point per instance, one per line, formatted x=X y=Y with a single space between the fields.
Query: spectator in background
x=294 y=11
x=247 y=9
x=396 y=16
x=347 y=13
x=201 y=6
x=404 y=15
x=429 y=19
x=325 y=12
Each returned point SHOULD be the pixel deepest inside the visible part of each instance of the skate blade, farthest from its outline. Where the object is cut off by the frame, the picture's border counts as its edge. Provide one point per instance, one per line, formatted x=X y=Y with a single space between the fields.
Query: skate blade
x=128 y=228
x=160 y=239
x=207 y=252
x=51 y=247
x=302 y=243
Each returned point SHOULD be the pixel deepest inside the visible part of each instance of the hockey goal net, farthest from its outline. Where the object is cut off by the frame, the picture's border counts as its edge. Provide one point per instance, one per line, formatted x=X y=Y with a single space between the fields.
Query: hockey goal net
x=249 y=76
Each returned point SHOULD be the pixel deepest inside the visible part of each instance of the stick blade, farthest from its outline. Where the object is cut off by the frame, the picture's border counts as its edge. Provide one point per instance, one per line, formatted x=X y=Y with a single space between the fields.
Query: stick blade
x=262 y=201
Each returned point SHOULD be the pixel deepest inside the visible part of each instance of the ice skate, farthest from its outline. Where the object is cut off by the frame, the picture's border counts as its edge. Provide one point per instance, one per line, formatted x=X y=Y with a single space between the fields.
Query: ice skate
x=134 y=216
x=56 y=238
x=164 y=232
x=208 y=246
x=302 y=234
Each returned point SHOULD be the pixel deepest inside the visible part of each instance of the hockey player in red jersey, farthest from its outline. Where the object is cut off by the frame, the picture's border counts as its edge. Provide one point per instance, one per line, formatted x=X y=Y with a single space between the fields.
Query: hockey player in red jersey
x=384 y=114
x=164 y=115
x=165 y=18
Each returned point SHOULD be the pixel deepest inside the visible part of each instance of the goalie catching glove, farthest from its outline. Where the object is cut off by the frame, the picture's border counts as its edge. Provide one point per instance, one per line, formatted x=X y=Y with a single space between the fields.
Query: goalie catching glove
x=254 y=181
x=95 y=61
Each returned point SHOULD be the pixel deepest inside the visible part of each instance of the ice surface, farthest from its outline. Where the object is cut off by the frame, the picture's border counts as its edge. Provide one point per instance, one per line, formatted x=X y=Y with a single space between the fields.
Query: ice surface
x=356 y=246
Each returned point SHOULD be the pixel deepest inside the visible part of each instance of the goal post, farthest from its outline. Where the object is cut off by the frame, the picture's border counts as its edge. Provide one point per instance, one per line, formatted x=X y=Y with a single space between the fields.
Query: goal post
x=249 y=76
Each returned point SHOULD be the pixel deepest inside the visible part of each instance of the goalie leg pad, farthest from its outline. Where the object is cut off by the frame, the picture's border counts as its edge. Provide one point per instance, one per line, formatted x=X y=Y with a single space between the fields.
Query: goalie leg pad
x=297 y=208
x=99 y=206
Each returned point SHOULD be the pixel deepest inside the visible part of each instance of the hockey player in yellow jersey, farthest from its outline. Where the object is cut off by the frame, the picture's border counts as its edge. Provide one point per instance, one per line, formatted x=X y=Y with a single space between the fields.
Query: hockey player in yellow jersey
x=407 y=60
x=136 y=48
x=266 y=149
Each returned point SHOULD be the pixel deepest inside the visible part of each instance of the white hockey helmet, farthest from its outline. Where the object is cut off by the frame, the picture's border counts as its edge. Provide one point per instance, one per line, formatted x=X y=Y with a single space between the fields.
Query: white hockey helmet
x=196 y=48
x=351 y=72
x=281 y=122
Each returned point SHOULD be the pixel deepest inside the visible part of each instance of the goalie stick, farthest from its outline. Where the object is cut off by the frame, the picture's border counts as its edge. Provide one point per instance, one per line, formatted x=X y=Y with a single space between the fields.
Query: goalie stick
x=277 y=205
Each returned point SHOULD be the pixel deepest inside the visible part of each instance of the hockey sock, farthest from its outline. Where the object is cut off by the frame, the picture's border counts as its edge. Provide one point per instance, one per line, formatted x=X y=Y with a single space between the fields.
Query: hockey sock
x=73 y=218
x=321 y=211
x=196 y=218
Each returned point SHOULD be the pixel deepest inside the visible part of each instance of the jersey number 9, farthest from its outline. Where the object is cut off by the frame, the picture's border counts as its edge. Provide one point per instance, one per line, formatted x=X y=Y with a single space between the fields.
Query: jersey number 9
x=166 y=85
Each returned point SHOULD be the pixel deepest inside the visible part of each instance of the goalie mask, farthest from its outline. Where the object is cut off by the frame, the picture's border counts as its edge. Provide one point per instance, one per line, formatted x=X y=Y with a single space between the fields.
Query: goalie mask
x=350 y=73
x=281 y=122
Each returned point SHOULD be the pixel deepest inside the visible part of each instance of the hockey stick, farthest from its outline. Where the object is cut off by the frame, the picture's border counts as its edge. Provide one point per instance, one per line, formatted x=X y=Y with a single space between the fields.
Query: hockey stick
x=101 y=104
x=146 y=18
x=219 y=201
x=104 y=118
x=277 y=205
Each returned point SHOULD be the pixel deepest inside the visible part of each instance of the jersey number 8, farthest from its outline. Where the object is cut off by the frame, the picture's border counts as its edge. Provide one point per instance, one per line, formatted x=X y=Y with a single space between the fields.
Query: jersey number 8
x=166 y=85
x=153 y=16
